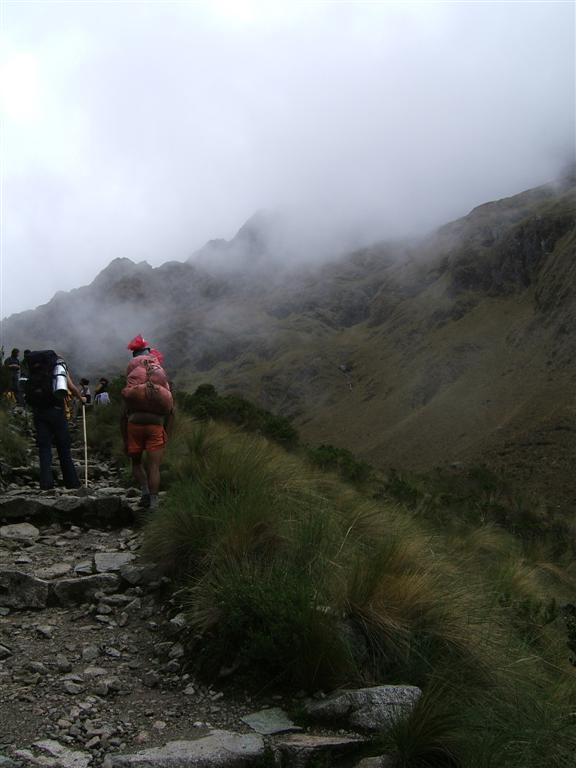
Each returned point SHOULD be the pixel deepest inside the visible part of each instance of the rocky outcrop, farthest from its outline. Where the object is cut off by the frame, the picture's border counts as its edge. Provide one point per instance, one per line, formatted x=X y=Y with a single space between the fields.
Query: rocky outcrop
x=368 y=709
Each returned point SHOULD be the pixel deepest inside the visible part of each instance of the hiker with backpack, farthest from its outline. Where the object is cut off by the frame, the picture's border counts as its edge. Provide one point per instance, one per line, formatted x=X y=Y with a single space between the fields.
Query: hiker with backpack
x=101 y=396
x=147 y=415
x=85 y=392
x=13 y=365
x=48 y=384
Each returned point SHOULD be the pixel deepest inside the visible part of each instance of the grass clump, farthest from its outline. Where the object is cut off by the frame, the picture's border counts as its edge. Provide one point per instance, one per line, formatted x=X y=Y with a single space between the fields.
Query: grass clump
x=12 y=443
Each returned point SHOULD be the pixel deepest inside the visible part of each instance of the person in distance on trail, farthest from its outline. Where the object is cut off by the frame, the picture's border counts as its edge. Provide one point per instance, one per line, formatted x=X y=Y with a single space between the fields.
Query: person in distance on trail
x=13 y=365
x=101 y=396
x=46 y=389
x=85 y=392
x=147 y=416
x=24 y=370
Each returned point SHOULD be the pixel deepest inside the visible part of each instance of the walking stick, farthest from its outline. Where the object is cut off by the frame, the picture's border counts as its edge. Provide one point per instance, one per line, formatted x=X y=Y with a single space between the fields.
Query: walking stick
x=85 y=446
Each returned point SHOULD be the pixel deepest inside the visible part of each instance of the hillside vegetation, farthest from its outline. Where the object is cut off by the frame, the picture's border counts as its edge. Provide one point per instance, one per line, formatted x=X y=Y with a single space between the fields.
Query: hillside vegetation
x=292 y=579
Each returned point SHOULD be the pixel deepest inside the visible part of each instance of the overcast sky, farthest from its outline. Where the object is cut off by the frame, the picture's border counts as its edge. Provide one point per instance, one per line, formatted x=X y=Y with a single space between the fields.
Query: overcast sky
x=144 y=129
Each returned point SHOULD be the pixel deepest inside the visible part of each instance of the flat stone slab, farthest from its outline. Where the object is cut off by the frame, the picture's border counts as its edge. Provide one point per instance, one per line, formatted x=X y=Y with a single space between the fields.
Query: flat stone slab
x=299 y=750
x=84 y=588
x=217 y=749
x=270 y=721
x=20 y=591
x=111 y=562
x=368 y=709
x=19 y=532
x=139 y=574
x=55 y=571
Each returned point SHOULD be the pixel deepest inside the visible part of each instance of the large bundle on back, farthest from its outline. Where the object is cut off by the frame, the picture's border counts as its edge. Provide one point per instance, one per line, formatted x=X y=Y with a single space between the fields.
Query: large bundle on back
x=47 y=383
x=147 y=389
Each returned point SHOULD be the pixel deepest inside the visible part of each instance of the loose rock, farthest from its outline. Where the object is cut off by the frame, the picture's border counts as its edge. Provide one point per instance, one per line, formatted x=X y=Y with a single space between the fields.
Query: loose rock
x=19 y=532
x=19 y=590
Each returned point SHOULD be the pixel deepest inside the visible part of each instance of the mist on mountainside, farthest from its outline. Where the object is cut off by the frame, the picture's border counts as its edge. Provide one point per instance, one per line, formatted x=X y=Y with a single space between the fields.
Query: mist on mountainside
x=149 y=136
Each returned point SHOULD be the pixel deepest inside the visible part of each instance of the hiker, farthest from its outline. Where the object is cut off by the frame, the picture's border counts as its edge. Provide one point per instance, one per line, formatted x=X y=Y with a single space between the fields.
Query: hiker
x=24 y=369
x=13 y=365
x=101 y=396
x=84 y=388
x=48 y=384
x=147 y=415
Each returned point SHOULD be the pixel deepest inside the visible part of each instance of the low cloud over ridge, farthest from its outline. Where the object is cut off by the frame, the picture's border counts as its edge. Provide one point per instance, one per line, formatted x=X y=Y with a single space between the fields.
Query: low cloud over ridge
x=146 y=131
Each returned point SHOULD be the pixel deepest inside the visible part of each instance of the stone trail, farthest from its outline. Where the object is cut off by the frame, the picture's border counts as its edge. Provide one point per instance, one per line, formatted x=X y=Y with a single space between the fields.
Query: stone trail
x=92 y=663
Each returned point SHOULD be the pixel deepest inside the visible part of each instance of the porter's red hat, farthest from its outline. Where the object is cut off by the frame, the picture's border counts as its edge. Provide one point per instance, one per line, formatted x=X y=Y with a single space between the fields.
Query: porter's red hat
x=137 y=343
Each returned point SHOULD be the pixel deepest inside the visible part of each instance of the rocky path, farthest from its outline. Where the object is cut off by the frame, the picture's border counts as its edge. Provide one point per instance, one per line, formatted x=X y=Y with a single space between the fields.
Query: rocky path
x=92 y=667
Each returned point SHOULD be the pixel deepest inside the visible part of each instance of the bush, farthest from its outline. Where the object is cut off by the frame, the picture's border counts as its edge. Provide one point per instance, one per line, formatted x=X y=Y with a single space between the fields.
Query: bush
x=332 y=459
x=207 y=403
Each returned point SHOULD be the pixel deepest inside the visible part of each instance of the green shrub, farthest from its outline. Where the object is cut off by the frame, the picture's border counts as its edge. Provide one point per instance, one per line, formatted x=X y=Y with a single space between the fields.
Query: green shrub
x=332 y=459
x=205 y=403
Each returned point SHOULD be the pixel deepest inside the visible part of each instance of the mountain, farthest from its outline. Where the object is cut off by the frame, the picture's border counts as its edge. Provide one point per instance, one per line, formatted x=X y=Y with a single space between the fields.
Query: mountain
x=460 y=347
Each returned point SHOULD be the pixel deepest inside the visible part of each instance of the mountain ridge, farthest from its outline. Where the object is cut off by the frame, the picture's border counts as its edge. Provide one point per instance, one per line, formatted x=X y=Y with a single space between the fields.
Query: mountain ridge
x=456 y=347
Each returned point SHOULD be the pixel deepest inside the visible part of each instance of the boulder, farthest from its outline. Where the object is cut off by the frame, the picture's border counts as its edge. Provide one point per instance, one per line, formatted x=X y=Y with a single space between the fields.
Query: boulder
x=19 y=532
x=19 y=590
x=367 y=709
x=216 y=749
x=20 y=507
x=83 y=589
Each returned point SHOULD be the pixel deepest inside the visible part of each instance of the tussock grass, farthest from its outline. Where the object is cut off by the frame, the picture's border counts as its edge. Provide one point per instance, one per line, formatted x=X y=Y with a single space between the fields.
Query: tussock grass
x=12 y=443
x=288 y=573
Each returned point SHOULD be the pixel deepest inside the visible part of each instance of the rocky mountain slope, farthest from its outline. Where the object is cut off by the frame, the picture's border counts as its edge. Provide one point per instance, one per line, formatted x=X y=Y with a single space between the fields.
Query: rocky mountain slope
x=456 y=348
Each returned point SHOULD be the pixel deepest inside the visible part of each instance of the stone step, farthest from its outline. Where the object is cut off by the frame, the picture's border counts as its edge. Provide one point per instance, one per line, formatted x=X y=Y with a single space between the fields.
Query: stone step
x=94 y=510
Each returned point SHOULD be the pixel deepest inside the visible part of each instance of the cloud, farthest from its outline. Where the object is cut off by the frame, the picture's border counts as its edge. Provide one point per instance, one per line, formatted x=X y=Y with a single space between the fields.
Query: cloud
x=144 y=130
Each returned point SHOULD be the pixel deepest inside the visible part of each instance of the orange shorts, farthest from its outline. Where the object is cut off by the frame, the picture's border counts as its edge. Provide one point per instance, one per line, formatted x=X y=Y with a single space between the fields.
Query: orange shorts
x=145 y=437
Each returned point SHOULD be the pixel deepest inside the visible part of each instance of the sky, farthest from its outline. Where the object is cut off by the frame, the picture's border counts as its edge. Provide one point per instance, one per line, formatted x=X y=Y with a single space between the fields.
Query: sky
x=145 y=129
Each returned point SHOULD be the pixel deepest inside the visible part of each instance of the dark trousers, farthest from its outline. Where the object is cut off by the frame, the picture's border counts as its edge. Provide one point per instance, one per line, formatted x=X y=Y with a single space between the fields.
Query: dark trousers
x=16 y=388
x=51 y=426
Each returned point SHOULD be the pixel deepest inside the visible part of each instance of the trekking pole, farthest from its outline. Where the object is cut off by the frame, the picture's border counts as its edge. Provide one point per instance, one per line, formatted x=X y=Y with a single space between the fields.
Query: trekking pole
x=85 y=446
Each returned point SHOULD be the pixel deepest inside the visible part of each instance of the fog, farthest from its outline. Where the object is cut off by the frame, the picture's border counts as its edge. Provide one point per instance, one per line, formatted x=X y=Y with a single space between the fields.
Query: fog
x=143 y=130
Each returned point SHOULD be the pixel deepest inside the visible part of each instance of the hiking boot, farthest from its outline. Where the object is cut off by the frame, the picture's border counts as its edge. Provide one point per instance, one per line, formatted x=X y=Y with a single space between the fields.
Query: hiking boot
x=144 y=502
x=154 y=501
